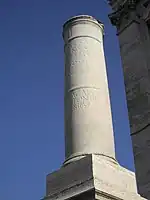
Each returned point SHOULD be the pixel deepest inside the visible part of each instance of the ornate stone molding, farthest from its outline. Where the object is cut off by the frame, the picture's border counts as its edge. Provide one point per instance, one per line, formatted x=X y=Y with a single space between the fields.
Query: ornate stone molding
x=129 y=10
x=117 y=3
x=123 y=10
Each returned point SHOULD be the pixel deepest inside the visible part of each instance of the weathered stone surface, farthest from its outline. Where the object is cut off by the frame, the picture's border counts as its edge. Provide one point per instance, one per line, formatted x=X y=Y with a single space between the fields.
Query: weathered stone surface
x=88 y=120
x=136 y=77
x=90 y=171
x=141 y=148
x=97 y=175
x=134 y=37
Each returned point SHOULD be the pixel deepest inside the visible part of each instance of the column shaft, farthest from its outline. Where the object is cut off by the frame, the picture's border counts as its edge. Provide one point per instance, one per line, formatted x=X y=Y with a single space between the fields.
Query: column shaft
x=88 y=120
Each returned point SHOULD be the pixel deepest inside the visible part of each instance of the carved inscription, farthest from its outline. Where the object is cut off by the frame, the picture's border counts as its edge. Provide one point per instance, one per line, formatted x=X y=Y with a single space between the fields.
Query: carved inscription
x=77 y=55
x=83 y=98
x=80 y=56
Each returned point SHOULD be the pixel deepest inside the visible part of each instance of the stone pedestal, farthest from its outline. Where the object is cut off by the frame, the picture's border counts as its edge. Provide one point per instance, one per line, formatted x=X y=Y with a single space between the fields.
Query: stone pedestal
x=132 y=21
x=92 y=178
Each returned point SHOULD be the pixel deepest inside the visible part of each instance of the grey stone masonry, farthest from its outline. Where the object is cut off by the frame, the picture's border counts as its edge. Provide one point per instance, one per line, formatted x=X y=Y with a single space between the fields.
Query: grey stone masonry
x=132 y=20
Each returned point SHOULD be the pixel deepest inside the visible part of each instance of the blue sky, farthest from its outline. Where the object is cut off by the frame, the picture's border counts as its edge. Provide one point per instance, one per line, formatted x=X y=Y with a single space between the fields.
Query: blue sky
x=31 y=91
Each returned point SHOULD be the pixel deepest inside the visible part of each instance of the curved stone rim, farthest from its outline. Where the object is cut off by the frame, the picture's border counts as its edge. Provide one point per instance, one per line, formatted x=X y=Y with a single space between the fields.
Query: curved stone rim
x=79 y=155
x=81 y=18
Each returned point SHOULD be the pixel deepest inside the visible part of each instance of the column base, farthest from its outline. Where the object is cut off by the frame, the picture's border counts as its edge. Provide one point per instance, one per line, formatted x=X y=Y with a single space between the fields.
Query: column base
x=78 y=156
x=91 y=178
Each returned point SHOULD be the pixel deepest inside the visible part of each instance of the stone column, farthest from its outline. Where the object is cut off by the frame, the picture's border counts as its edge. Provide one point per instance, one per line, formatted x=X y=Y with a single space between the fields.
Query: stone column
x=91 y=171
x=88 y=120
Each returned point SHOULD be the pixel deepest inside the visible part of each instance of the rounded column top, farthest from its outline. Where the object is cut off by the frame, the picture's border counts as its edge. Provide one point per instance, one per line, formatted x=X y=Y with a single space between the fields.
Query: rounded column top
x=82 y=18
x=70 y=29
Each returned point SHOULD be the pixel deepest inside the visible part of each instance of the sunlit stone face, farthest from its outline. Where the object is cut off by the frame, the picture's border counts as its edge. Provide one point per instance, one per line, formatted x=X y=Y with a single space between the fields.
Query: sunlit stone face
x=88 y=121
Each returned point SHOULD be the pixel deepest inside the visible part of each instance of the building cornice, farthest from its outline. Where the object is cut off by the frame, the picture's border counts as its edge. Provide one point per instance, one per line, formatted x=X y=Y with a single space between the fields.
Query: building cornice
x=126 y=11
x=122 y=10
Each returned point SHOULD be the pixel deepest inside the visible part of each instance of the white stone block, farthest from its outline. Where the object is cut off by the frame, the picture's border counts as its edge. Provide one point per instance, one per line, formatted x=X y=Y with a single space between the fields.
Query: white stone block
x=99 y=177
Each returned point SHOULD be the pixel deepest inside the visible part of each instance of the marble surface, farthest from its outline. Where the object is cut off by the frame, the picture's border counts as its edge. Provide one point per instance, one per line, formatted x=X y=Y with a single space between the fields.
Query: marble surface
x=88 y=120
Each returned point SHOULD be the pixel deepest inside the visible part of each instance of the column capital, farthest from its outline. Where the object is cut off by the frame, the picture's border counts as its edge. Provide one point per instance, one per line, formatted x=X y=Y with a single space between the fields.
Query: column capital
x=79 y=26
